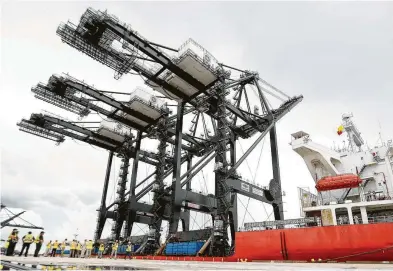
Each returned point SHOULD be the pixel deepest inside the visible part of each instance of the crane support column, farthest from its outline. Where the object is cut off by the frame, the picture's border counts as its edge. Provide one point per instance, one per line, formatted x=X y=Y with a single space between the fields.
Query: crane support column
x=220 y=246
x=130 y=209
x=233 y=210
x=185 y=220
x=278 y=207
x=176 y=200
x=102 y=211
x=121 y=202
x=159 y=191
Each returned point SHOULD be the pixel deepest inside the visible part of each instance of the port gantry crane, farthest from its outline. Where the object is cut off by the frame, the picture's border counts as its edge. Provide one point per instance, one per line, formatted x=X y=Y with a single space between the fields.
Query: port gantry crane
x=11 y=216
x=200 y=86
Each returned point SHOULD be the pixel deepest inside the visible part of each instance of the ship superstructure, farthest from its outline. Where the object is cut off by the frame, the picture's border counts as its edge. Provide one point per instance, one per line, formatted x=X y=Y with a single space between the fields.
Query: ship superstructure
x=360 y=178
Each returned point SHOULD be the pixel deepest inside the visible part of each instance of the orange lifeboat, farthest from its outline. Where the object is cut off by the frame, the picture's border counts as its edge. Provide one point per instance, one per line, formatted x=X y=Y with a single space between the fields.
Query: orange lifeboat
x=338 y=182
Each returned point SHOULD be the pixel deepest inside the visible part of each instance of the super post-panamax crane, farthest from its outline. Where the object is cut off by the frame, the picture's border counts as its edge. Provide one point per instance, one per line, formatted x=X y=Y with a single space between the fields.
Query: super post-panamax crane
x=200 y=88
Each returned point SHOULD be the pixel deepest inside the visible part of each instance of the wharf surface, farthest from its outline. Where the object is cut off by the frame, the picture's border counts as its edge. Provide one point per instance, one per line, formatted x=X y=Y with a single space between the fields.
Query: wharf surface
x=136 y=264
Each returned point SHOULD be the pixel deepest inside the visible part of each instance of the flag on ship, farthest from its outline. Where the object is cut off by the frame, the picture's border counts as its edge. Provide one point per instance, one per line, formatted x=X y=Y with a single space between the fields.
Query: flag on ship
x=340 y=130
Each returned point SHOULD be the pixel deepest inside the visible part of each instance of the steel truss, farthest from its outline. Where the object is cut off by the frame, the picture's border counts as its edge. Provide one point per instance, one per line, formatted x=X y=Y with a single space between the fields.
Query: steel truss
x=94 y=36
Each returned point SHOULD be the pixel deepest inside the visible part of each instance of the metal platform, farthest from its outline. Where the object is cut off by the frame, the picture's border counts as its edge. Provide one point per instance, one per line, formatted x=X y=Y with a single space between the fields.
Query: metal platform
x=121 y=264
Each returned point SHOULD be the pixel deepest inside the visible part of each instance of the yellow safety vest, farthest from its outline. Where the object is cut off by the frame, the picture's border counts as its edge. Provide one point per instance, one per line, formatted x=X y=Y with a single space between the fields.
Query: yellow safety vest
x=37 y=240
x=28 y=239
x=55 y=245
x=73 y=245
x=49 y=245
x=102 y=247
x=89 y=245
x=128 y=248
x=63 y=245
x=114 y=246
x=11 y=236
x=79 y=246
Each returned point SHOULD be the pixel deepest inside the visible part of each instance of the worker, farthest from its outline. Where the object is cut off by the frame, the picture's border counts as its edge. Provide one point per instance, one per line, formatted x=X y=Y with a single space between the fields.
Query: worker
x=78 y=249
x=83 y=252
x=89 y=247
x=101 y=250
x=6 y=244
x=12 y=241
x=128 y=251
x=73 y=249
x=38 y=243
x=48 y=248
x=62 y=247
x=54 y=248
x=114 y=249
x=27 y=240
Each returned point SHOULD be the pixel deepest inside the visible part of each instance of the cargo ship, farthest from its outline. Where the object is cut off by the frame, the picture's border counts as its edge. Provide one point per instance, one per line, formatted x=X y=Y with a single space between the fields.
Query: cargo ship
x=351 y=216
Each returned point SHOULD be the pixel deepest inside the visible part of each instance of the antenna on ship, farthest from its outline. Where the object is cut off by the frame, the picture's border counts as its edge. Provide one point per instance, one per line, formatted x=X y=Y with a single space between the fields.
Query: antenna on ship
x=380 y=133
x=76 y=234
x=353 y=134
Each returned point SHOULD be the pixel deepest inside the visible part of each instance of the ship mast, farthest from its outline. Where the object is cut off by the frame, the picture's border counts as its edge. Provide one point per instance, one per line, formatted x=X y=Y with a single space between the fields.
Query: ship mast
x=355 y=140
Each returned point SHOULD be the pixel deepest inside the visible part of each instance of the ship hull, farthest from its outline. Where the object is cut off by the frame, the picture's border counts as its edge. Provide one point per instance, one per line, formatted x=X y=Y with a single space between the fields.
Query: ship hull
x=366 y=242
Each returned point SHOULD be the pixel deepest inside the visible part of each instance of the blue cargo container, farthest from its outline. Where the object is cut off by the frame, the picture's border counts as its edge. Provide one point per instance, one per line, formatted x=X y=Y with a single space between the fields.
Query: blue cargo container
x=184 y=248
x=135 y=248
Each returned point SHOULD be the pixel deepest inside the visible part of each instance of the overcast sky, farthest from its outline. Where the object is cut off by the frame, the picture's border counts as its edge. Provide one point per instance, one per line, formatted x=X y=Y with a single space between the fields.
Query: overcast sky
x=338 y=55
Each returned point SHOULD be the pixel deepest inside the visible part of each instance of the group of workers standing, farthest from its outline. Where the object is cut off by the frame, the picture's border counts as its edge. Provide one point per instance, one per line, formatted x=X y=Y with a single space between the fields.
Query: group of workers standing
x=27 y=240
x=77 y=249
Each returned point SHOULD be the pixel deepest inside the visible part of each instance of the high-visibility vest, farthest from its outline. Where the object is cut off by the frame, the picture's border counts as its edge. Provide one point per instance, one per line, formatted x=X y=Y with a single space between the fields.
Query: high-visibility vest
x=49 y=245
x=28 y=238
x=63 y=245
x=102 y=247
x=6 y=244
x=129 y=248
x=38 y=239
x=12 y=237
x=55 y=245
x=114 y=246
x=89 y=245
x=73 y=245
x=79 y=246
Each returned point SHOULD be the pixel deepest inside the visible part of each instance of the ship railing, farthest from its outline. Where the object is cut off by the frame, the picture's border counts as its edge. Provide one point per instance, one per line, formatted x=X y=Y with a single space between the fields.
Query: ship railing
x=380 y=219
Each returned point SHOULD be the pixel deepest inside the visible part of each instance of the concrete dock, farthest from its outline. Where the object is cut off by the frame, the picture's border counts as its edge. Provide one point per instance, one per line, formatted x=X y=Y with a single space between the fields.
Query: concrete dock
x=121 y=264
